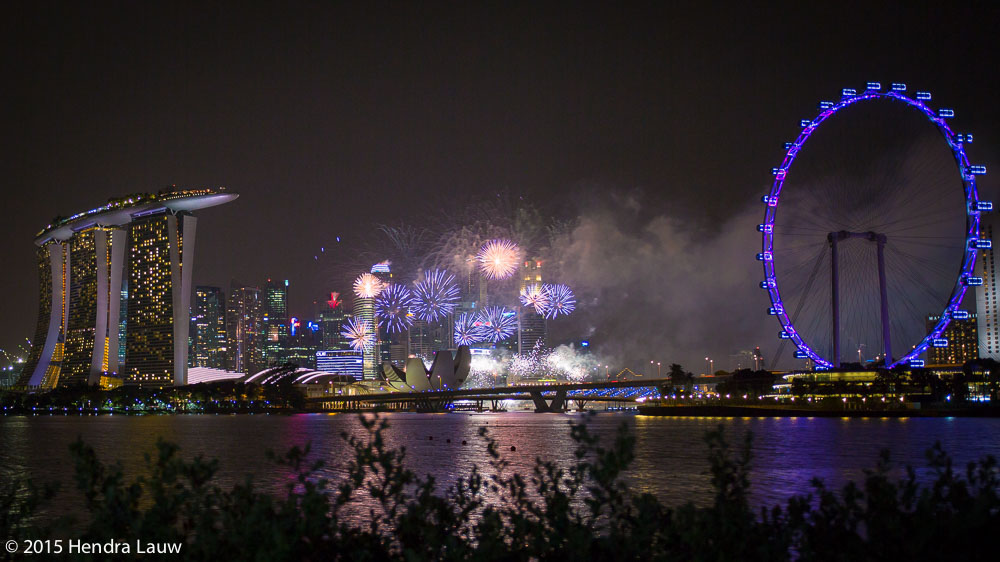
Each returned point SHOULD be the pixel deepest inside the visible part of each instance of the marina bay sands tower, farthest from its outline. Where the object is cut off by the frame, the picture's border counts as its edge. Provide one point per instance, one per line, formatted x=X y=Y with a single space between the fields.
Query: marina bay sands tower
x=115 y=291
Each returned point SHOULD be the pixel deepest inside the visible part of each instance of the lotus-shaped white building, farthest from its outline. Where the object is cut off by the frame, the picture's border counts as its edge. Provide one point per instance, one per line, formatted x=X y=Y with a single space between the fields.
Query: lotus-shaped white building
x=448 y=372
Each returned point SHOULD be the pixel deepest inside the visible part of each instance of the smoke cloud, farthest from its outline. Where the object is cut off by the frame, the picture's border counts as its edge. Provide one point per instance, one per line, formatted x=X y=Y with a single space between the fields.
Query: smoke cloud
x=663 y=288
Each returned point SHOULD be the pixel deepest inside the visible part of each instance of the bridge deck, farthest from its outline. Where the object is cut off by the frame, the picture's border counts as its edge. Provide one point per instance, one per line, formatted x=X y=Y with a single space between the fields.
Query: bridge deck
x=495 y=393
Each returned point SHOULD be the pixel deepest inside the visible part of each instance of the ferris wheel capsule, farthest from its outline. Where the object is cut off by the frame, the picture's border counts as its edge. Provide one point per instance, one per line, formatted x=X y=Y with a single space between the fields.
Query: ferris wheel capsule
x=848 y=92
x=981 y=243
x=916 y=363
x=799 y=354
x=946 y=113
x=923 y=96
x=873 y=86
x=960 y=315
x=898 y=87
x=939 y=342
x=984 y=205
x=973 y=281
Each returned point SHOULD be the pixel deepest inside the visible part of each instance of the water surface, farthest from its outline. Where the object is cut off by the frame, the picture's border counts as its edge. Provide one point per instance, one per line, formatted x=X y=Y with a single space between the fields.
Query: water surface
x=670 y=452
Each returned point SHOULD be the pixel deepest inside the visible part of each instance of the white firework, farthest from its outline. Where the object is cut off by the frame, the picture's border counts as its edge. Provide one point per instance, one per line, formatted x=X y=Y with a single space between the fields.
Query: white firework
x=367 y=286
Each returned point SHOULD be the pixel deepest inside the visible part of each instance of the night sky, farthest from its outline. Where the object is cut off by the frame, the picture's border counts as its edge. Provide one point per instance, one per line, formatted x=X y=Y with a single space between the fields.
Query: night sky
x=328 y=118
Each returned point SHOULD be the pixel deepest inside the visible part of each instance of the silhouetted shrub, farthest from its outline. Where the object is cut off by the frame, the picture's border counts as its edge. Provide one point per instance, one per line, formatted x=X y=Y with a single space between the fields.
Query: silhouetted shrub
x=582 y=512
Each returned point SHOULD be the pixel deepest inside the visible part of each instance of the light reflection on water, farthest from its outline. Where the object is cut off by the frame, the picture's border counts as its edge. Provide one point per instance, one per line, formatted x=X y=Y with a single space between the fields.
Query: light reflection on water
x=670 y=452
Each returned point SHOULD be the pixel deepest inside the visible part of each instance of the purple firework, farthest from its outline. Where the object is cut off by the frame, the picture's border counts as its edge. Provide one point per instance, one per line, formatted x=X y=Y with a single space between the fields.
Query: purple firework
x=392 y=306
x=435 y=296
x=535 y=296
x=496 y=323
x=466 y=332
x=560 y=300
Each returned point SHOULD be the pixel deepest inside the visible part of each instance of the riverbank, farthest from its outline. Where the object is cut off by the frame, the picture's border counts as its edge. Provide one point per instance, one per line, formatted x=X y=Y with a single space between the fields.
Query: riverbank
x=720 y=410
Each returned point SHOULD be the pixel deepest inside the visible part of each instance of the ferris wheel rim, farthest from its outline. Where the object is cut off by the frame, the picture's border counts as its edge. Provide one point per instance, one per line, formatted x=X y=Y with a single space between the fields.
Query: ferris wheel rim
x=967 y=172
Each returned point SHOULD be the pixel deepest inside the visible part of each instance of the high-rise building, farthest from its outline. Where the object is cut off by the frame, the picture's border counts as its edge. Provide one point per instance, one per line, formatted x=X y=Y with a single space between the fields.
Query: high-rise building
x=208 y=328
x=987 y=308
x=963 y=341
x=301 y=345
x=159 y=278
x=531 y=325
x=245 y=329
x=45 y=359
x=276 y=321
x=382 y=351
x=364 y=309
x=419 y=340
x=114 y=291
x=331 y=317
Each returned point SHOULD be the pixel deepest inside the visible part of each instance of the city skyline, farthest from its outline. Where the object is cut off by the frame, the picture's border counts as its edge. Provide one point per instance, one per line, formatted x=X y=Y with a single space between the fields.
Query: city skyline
x=660 y=132
x=519 y=280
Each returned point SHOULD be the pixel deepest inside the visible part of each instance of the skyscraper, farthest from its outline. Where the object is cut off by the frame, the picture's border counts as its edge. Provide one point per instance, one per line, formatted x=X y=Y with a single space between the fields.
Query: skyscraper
x=208 y=328
x=364 y=309
x=275 y=321
x=331 y=317
x=159 y=278
x=987 y=307
x=114 y=291
x=531 y=332
x=245 y=329
x=45 y=359
x=963 y=344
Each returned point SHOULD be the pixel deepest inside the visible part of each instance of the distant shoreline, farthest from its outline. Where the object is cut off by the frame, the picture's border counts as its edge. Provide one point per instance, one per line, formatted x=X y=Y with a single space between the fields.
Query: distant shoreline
x=798 y=412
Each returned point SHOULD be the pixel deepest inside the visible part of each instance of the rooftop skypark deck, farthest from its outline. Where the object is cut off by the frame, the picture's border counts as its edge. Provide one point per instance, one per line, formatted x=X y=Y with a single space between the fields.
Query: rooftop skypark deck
x=123 y=210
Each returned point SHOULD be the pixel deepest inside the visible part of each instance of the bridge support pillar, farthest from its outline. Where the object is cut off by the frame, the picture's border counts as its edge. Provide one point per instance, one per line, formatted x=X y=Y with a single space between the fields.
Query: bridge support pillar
x=557 y=404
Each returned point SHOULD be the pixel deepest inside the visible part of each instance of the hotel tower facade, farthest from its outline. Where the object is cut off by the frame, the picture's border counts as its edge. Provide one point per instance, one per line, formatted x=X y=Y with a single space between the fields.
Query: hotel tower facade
x=115 y=291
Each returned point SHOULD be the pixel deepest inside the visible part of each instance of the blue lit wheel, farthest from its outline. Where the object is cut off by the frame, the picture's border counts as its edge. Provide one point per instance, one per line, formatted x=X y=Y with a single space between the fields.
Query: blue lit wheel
x=875 y=243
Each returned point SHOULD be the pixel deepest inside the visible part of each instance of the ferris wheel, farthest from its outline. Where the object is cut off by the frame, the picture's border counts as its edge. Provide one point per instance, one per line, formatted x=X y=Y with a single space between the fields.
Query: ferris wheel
x=869 y=241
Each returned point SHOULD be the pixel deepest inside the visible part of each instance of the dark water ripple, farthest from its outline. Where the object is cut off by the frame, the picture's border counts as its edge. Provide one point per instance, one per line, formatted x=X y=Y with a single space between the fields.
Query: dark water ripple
x=670 y=452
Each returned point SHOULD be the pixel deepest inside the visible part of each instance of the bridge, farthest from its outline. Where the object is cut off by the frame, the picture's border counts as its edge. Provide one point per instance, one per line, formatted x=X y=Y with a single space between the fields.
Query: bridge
x=546 y=397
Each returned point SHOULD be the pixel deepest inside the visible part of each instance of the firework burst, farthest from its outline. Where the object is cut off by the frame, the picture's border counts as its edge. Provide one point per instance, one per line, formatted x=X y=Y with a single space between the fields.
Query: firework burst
x=465 y=330
x=496 y=323
x=392 y=305
x=483 y=371
x=499 y=259
x=359 y=333
x=535 y=296
x=435 y=296
x=367 y=286
x=561 y=300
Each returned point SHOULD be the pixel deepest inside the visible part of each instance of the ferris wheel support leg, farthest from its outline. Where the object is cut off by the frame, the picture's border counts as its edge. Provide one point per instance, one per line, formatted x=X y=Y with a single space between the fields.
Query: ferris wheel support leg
x=884 y=300
x=835 y=291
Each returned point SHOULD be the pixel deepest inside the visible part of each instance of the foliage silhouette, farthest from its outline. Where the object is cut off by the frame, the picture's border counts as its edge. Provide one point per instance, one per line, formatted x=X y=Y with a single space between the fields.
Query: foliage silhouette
x=584 y=510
